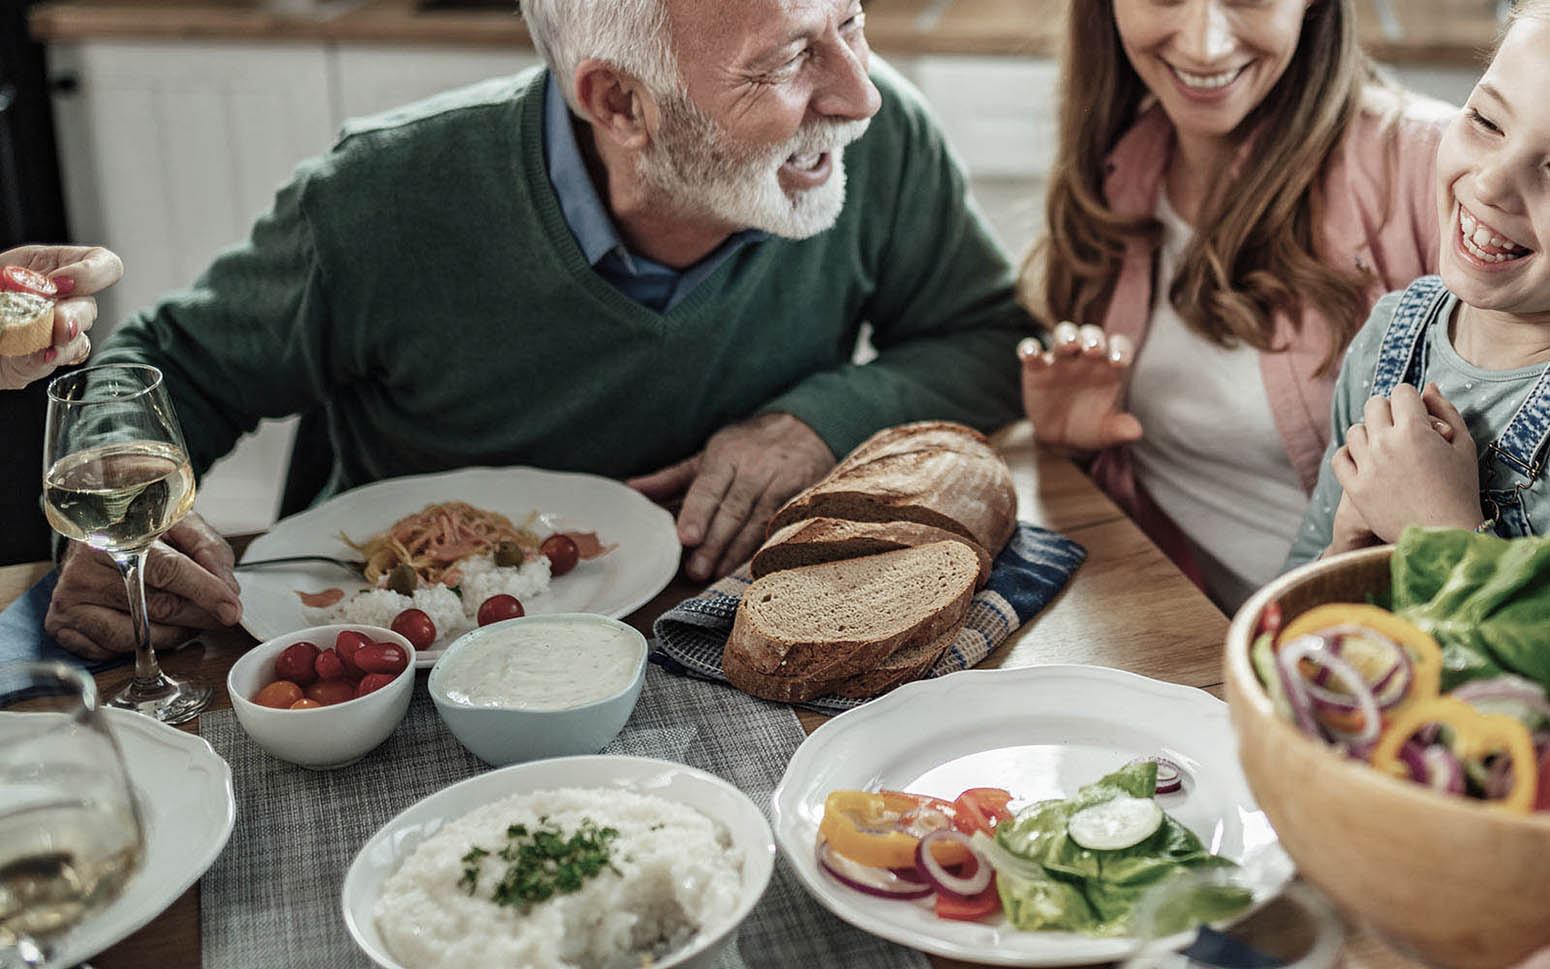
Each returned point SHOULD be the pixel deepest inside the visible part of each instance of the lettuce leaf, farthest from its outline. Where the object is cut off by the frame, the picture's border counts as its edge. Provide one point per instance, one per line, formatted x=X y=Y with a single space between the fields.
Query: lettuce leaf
x=1486 y=600
x=1096 y=892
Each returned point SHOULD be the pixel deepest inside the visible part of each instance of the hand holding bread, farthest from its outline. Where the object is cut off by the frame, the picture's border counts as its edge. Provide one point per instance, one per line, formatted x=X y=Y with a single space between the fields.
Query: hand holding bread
x=47 y=307
x=867 y=575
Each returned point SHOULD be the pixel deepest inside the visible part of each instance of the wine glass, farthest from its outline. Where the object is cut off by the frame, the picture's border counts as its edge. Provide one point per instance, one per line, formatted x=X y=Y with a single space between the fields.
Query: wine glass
x=70 y=831
x=1233 y=918
x=116 y=476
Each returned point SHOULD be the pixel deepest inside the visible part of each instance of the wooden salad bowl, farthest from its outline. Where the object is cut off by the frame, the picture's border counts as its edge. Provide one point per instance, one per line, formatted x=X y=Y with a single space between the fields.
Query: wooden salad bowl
x=1454 y=881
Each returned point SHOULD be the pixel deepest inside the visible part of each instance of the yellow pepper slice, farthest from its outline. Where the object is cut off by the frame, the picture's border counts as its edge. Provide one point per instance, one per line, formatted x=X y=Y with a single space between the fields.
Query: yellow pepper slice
x=1425 y=654
x=1475 y=734
x=871 y=828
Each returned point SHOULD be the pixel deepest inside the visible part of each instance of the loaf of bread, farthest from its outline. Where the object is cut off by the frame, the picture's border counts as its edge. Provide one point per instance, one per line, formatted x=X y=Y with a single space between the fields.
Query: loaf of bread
x=26 y=323
x=934 y=473
x=817 y=540
x=802 y=632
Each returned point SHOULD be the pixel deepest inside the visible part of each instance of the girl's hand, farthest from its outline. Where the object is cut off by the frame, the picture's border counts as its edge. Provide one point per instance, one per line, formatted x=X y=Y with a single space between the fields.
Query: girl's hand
x=1350 y=530
x=1399 y=468
x=1074 y=393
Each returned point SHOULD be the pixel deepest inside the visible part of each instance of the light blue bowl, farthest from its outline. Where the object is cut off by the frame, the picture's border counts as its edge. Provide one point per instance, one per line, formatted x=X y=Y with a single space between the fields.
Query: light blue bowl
x=508 y=735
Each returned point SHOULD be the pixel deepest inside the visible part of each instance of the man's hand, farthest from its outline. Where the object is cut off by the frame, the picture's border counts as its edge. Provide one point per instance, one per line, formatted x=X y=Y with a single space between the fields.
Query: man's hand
x=189 y=585
x=732 y=488
x=79 y=272
x=1074 y=394
x=1399 y=467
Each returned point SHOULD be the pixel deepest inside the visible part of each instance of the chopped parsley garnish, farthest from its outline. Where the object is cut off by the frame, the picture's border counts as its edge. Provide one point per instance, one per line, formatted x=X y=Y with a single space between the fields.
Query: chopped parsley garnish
x=543 y=862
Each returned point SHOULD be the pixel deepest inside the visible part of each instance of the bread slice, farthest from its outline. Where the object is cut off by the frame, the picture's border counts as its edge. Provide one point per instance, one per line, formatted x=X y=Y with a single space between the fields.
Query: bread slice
x=831 y=539
x=26 y=323
x=933 y=473
x=814 y=626
x=905 y=665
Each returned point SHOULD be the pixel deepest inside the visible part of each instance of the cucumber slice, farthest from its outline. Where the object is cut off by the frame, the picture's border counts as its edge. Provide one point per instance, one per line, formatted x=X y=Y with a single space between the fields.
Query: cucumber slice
x=1115 y=824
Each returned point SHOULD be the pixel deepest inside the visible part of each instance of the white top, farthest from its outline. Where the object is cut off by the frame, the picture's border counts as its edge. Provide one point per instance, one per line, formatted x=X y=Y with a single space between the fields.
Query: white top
x=1212 y=458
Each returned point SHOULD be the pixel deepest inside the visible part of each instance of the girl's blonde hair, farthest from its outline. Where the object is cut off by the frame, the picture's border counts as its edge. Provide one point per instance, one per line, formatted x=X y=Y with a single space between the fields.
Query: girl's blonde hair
x=1257 y=248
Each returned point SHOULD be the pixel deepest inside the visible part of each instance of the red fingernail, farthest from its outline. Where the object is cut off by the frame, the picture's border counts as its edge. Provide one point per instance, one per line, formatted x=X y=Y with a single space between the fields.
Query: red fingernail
x=50 y=355
x=73 y=329
x=65 y=284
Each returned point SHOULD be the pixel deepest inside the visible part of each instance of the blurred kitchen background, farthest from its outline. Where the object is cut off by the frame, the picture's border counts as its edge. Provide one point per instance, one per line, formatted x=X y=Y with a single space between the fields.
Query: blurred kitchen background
x=161 y=128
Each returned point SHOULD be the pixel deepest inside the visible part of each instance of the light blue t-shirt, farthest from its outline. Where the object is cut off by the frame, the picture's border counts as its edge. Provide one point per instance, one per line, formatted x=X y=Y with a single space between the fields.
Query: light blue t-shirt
x=1488 y=399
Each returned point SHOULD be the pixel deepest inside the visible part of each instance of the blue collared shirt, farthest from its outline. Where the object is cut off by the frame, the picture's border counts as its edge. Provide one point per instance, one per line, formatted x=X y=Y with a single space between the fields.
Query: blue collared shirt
x=644 y=280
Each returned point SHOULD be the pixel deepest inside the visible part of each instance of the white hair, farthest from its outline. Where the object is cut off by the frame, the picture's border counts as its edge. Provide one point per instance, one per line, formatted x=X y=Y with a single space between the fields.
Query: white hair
x=632 y=35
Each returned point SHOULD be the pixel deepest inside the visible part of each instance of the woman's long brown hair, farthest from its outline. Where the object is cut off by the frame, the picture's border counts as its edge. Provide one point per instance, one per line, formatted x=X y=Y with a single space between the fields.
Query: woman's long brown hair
x=1255 y=251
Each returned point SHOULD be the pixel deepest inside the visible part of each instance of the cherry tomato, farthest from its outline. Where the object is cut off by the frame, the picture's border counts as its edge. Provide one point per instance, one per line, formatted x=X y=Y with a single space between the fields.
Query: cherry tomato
x=562 y=553
x=295 y=663
x=347 y=642
x=329 y=692
x=372 y=682
x=981 y=809
x=280 y=694
x=496 y=608
x=387 y=658
x=415 y=626
x=330 y=666
x=304 y=704
x=23 y=280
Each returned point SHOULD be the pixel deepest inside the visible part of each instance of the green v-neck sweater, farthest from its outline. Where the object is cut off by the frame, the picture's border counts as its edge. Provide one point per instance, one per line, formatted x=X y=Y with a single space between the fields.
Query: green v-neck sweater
x=420 y=286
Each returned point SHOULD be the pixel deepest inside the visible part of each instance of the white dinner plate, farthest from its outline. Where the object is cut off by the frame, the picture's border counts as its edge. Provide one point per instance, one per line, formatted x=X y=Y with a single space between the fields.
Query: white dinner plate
x=713 y=797
x=187 y=810
x=1040 y=732
x=644 y=559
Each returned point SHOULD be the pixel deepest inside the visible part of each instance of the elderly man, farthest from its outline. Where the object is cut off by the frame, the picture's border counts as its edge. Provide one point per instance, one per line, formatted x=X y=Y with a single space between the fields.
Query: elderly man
x=649 y=261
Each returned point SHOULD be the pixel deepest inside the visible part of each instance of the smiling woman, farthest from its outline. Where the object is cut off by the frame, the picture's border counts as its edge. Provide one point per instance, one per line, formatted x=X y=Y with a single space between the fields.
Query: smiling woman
x=1246 y=157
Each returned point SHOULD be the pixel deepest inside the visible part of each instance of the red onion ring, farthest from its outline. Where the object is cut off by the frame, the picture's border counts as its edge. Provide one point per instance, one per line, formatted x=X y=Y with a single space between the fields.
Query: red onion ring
x=954 y=886
x=1444 y=772
x=1314 y=648
x=879 y=882
x=1170 y=776
x=1505 y=687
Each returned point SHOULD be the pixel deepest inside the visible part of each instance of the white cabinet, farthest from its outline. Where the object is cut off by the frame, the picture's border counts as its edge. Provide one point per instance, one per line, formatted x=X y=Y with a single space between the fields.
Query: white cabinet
x=170 y=150
x=372 y=79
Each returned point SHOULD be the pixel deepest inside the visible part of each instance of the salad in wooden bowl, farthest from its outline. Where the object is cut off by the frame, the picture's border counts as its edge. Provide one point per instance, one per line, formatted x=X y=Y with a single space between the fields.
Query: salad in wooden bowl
x=1393 y=722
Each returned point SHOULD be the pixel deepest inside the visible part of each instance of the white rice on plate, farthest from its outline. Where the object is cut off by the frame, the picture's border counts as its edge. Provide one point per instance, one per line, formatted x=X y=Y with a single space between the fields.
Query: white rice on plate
x=453 y=615
x=673 y=872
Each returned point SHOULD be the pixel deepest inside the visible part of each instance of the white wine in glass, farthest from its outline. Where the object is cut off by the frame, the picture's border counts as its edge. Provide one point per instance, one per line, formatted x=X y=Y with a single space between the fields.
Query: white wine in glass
x=70 y=829
x=116 y=476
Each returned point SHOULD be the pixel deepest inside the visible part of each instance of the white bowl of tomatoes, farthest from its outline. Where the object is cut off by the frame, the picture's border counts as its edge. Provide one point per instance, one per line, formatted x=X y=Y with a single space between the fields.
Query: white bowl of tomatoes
x=323 y=697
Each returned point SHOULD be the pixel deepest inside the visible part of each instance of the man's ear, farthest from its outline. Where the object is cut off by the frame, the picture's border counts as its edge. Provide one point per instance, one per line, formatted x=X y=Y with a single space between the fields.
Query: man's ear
x=615 y=103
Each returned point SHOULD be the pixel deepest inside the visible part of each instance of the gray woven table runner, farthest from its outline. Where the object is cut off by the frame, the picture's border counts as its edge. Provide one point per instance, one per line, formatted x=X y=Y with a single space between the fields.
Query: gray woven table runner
x=272 y=897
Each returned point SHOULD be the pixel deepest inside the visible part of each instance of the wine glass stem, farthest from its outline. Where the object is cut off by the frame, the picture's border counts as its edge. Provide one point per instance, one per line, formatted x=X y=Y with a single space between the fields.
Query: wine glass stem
x=131 y=565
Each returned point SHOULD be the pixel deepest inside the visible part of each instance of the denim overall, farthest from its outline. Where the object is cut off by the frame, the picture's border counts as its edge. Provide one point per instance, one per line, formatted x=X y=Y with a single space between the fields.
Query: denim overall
x=1514 y=462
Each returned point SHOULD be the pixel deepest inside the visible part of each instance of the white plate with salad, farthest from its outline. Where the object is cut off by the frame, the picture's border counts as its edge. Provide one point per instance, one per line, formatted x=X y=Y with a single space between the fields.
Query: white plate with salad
x=635 y=553
x=1038 y=733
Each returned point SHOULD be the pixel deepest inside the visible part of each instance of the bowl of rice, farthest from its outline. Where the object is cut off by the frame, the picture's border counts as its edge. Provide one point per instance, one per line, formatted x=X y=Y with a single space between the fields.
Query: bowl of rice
x=593 y=862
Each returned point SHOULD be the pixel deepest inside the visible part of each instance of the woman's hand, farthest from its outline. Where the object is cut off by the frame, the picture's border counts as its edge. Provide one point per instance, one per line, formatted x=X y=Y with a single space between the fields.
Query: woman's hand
x=1400 y=468
x=1074 y=393
x=79 y=272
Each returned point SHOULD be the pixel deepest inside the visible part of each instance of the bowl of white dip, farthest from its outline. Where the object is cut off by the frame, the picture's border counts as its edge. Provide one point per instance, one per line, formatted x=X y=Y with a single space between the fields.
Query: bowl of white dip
x=539 y=686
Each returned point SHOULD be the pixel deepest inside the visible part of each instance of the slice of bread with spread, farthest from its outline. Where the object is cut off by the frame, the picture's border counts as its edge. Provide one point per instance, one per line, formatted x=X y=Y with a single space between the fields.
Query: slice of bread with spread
x=817 y=540
x=801 y=632
x=26 y=323
x=934 y=473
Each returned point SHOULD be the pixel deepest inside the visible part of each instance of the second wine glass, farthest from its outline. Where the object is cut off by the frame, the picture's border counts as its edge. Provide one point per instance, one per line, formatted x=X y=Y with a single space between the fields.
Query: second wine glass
x=116 y=476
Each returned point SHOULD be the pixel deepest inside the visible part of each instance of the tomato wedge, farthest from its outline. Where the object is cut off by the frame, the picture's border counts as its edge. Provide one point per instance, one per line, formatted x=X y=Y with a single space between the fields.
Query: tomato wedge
x=882 y=828
x=971 y=909
x=23 y=280
x=981 y=809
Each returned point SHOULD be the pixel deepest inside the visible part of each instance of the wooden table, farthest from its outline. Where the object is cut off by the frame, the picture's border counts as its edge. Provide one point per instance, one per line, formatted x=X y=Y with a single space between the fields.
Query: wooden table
x=1127 y=607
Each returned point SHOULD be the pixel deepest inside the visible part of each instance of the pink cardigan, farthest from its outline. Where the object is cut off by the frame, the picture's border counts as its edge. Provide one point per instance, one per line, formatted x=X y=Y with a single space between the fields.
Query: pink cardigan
x=1356 y=187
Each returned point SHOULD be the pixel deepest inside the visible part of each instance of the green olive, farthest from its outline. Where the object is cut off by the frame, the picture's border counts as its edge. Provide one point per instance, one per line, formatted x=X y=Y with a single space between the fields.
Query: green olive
x=508 y=553
x=403 y=579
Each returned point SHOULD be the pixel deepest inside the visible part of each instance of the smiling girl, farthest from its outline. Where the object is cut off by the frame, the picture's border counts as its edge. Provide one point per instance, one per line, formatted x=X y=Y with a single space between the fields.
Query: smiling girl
x=1233 y=191
x=1477 y=338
